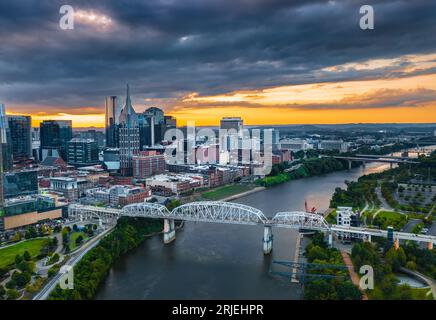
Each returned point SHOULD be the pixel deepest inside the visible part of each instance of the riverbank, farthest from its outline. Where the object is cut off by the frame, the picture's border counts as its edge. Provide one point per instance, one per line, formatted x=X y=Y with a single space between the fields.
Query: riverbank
x=93 y=268
x=308 y=168
x=243 y=194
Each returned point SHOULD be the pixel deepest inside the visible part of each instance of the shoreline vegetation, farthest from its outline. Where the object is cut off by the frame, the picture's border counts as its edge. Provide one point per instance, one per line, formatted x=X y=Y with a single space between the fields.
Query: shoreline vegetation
x=308 y=168
x=311 y=165
x=92 y=270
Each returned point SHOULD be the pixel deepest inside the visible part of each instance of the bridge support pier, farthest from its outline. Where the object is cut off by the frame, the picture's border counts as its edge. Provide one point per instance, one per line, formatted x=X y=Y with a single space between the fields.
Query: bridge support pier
x=349 y=164
x=430 y=245
x=364 y=164
x=330 y=236
x=368 y=238
x=267 y=240
x=169 y=231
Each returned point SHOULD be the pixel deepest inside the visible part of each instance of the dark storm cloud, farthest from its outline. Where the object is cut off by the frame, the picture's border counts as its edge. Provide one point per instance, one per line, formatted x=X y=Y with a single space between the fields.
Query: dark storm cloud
x=167 y=48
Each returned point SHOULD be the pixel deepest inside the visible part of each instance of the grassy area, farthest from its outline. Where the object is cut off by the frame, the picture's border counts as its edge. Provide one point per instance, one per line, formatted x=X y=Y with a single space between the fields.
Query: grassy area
x=7 y=255
x=421 y=294
x=74 y=236
x=225 y=191
x=331 y=218
x=390 y=218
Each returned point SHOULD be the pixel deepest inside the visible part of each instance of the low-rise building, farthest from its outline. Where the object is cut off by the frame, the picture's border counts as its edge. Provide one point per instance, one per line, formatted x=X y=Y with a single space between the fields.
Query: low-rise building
x=172 y=183
x=295 y=145
x=26 y=210
x=124 y=195
x=347 y=218
x=119 y=195
x=148 y=163
x=71 y=187
x=338 y=145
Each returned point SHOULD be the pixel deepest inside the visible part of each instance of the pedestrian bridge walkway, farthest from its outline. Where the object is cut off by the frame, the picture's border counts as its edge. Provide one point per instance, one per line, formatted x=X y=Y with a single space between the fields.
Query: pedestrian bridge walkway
x=232 y=213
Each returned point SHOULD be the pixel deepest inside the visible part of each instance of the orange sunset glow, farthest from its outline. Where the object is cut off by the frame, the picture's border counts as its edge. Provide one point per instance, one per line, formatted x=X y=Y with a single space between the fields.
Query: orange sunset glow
x=401 y=100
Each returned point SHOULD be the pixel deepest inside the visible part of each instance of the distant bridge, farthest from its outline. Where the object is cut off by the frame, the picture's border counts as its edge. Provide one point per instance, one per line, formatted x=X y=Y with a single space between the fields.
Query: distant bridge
x=372 y=158
x=382 y=157
x=233 y=213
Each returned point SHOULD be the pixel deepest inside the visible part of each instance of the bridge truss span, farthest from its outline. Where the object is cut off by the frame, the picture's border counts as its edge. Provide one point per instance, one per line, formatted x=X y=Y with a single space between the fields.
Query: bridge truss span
x=146 y=210
x=299 y=219
x=92 y=212
x=220 y=212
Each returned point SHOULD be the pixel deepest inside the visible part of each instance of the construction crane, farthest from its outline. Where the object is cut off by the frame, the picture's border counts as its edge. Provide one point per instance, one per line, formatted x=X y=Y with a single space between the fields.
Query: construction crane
x=313 y=210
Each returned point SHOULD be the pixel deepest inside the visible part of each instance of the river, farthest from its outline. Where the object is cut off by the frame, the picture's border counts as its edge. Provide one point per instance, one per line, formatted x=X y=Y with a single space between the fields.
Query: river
x=217 y=261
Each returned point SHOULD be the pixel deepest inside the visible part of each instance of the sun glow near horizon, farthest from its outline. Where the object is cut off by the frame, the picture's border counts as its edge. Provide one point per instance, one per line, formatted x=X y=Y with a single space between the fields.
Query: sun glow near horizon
x=402 y=100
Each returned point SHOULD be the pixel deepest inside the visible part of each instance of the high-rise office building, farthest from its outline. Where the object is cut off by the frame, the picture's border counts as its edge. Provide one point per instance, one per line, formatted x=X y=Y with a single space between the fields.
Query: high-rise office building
x=2 y=142
x=82 y=152
x=93 y=134
x=232 y=123
x=152 y=127
x=231 y=140
x=113 y=112
x=129 y=136
x=54 y=135
x=20 y=131
x=169 y=123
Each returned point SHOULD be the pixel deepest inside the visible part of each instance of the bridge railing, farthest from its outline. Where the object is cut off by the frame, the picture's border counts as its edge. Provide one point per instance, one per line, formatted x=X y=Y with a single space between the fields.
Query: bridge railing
x=219 y=211
x=297 y=219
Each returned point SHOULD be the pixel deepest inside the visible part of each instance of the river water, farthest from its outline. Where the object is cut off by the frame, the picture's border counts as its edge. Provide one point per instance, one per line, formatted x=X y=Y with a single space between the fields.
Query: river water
x=220 y=261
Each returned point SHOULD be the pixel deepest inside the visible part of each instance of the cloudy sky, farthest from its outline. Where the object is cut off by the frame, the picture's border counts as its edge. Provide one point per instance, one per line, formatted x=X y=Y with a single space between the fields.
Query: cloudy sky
x=269 y=61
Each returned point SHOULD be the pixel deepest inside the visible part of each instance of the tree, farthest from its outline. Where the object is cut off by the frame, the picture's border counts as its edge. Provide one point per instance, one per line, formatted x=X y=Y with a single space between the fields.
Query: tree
x=54 y=242
x=18 y=259
x=31 y=233
x=348 y=291
x=396 y=258
x=16 y=237
x=26 y=256
x=318 y=240
x=173 y=204
x=317 y=253
x=411 y=265
x=12 y=294
x=21 y=278
x=2 y=292
x=11 y=284
x=79 y=240
x=3 y=271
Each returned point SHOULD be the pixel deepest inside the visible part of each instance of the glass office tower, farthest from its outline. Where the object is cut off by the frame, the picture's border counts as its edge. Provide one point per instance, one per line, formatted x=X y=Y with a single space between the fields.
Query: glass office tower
x=20 y=131
x=113 y=110
x=54 y=135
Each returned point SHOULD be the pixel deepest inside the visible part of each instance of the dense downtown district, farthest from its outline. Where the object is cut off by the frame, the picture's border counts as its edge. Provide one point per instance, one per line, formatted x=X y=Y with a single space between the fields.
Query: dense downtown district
x=218 y=158
x=110 y=203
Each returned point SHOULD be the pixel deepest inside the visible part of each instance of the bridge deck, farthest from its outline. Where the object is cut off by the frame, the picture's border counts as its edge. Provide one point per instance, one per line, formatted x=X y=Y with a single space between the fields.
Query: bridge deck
x=216 y=213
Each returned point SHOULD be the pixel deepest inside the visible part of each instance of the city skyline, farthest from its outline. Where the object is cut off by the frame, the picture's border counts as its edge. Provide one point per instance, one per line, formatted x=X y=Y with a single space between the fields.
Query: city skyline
x=307 y=62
